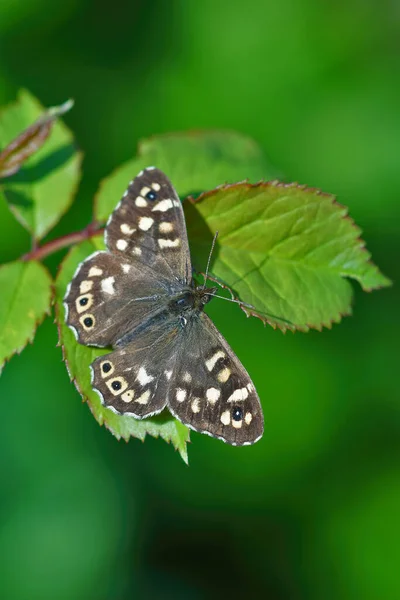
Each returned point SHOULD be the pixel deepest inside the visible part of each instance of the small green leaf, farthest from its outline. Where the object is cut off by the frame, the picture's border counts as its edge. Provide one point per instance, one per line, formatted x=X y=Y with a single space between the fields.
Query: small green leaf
x=194 y=162
x=79 y=357
x=284 y=249
x=43 y=189
x=29 y=141
x=24 y=301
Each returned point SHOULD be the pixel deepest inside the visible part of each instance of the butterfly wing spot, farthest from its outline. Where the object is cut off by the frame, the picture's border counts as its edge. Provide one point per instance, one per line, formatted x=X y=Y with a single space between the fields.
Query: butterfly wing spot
x=195 y=405
x=165 y=243
x=107 y=285
x=163 y=205
x=156 y=186
x=239 y=394
x=137 y=251
x=87 y=322
x=145 y=223
x=224 y=375
x=168 y=374
x=126 y=268
x=128 y=396
x=211 y=362
x=212 y=395
x=106 y=368
x=143 y=377
x=237 y=424
x=117 y=385
x=181 y=395
x=83 y=303
x=95 y=272
x=226 y=417
x=165 y=227
x=248 y=418
x=126 y=229
x=141 y=202
x=144 y=398
x=121 y=245
x=187 y=378
x=85 y=286
x=145 y=190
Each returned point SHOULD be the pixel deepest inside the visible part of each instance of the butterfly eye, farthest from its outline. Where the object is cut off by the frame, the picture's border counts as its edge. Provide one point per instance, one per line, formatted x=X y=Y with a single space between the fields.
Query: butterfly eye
x=237 y=414
x=83 y=301
x=116 y=385
x=151 y=195
x=106 y=367
x=88 y=321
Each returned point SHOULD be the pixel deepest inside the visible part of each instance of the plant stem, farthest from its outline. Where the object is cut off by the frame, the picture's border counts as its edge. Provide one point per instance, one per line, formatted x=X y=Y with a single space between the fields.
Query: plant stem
x=64 y=241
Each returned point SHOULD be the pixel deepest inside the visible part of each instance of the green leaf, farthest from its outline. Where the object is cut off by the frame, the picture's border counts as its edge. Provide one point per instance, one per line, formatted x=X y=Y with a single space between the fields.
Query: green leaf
x=24 y=301
x=78 y=358
x=43 y=189
x=194 y=162
x=29 y=141
x=284 y=249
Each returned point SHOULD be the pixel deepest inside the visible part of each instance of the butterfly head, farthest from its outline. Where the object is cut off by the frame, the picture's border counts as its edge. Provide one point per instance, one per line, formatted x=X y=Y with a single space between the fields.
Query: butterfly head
x=191 y=299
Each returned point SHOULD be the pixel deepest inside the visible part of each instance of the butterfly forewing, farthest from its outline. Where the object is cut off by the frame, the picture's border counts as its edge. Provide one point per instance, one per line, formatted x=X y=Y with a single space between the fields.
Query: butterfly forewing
x=211 y=391
x=148 y=226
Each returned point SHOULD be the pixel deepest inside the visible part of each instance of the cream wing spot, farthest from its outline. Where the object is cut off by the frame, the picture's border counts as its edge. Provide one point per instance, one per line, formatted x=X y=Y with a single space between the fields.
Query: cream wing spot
x=145 y=223
x=226 y=417
x=141 y=202
x=212 y=395
x=85 y=286
x=211 y=362
x=237 y=424
x=137 y=251
x=248 y=418
x=143 y=377
x=126 y=229
x=168 y=374
x=181 y=395
x=187 y=378
x=95 y=272
x=165 y=243
x=107 y=285
x=145 y=190
x=156 y=186
x=195 y=405
x=144 y=398
x=163 y=206
x=126 y=268
x=165 y=227
x=224 y=375
x=128 y=396
x=239 y=394
x=121 y=245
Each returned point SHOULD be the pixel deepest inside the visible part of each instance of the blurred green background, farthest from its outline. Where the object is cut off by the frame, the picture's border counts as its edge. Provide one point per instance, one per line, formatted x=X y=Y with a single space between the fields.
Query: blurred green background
x=312 y=510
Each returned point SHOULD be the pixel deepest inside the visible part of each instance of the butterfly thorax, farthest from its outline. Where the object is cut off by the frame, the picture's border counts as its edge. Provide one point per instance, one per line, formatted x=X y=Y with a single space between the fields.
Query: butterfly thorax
x=191 y=299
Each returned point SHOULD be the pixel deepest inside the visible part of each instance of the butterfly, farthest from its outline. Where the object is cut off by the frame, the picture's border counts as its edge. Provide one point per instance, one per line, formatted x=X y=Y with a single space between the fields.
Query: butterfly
x=140 y=298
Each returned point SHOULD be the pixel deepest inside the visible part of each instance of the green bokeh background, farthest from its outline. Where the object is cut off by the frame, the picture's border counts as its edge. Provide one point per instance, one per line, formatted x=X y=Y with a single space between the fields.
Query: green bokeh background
x=311 y=511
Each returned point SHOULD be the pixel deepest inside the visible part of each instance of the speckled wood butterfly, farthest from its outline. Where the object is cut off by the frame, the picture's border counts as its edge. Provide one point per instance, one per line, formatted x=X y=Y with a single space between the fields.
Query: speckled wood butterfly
x=139 y=297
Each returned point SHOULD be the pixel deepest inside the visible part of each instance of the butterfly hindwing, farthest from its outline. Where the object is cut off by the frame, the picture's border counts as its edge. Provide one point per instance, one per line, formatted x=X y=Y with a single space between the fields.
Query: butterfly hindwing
x=148 y=226
x=210 y=389
x=134 y=380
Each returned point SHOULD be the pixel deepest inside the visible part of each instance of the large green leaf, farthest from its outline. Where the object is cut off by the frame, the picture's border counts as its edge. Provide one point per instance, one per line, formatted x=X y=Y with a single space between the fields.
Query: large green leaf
x=43 y=189
x=78 y=358
x=24 y=301
x=194 y=161
x=284 y=249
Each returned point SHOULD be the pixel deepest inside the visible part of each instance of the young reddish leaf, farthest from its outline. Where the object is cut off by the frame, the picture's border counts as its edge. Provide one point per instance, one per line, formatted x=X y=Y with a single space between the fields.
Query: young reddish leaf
x=44 y=187
x=194 y=161
x=79 y=357
x=29 y=141
x=24 y=301
x=286 y=250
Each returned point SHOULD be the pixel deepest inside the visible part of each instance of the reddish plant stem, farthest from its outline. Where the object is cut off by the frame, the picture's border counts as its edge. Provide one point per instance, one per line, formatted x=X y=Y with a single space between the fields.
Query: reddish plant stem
x=63 y=242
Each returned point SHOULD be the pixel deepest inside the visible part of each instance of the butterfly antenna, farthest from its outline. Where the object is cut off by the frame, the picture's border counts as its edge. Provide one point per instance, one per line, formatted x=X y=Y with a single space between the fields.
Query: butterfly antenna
x=209 y=257
x=234 y=300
